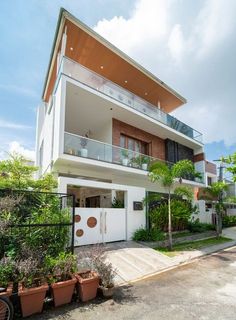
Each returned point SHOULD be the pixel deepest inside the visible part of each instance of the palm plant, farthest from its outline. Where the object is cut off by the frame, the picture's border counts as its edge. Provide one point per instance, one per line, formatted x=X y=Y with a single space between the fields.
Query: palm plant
x=170 y=175
x=215 y=192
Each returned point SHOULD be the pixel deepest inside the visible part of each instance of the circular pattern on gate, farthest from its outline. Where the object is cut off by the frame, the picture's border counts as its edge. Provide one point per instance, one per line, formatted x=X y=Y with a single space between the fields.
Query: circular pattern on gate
x=77 y=218
x=79 y=232
x=91 y=222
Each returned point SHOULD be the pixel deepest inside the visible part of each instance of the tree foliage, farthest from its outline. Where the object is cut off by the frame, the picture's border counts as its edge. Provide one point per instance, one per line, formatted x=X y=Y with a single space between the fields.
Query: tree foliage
x=17 y=173
x=169 y=175
x=231 y=161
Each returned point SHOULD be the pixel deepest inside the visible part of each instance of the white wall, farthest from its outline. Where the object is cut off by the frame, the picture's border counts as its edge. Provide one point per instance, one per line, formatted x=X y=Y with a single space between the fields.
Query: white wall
x=203 y=215
x=134 y=219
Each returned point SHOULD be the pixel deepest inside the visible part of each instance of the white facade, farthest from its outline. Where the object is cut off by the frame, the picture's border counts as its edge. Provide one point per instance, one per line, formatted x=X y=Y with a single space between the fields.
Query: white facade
x=74 y=141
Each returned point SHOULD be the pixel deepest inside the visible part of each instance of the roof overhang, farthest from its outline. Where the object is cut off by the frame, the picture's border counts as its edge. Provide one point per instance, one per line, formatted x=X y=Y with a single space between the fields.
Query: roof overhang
x=88 y=48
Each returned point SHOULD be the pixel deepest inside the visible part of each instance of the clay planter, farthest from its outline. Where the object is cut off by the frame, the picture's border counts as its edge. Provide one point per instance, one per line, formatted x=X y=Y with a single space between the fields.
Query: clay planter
x=107 y=292
x=88 y=283
x=32 y=299
x=62 y=291
x=8 y=291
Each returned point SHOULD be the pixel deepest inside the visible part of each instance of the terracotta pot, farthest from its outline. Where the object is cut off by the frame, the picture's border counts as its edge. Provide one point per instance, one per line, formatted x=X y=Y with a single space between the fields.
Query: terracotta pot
x=107 y=292
x=62 y=291
x=8 y=291
x=32 y=299
x=87 y=287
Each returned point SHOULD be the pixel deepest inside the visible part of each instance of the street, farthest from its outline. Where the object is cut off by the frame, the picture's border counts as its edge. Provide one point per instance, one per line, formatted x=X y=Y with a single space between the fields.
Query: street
x=204 y=289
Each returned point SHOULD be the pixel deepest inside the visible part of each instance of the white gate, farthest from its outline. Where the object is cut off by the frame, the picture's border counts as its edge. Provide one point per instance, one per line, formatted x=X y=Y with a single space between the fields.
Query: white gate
x=97 y=225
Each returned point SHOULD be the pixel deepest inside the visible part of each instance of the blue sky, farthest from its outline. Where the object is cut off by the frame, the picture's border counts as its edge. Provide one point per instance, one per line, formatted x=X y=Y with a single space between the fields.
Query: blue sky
x=157 y=33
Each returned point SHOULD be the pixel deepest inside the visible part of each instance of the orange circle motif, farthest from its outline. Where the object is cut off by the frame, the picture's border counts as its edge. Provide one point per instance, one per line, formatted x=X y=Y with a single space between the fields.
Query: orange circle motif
x=77 y=218
x=79 y=232
x=91 y=222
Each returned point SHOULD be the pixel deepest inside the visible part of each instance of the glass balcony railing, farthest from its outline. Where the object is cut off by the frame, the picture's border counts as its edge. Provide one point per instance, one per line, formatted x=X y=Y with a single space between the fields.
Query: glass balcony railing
x=99 y=83
x=92 y=149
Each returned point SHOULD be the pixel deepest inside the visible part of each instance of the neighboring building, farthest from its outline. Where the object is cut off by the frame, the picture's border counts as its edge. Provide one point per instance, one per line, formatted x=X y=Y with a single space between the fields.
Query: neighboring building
x=104 y=118
x=211 y=173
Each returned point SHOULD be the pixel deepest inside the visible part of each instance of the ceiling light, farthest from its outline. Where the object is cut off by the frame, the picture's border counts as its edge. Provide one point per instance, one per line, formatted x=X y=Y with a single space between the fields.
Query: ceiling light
x=101 y=67
x=145 y=93
x=126 y=81
x=71 y=49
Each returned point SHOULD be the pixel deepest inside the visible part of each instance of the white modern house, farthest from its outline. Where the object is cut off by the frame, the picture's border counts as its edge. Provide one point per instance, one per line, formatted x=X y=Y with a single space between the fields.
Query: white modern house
x=102 y=120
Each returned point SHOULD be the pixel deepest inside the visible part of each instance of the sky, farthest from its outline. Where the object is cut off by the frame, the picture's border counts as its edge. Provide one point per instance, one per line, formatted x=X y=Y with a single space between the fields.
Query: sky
x=188 y=44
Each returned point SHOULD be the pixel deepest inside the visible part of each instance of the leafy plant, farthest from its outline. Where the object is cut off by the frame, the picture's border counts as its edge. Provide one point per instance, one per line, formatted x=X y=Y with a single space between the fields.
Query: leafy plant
x=168 y=175
x=106 y=273
x=29 y=272
x=229 y=221
x=62 y=267
x=7 y=269
x=116 y=203
x=231 y=162
x=16 y=173
x=148 y=235
x=196 y=226
x=181 y=212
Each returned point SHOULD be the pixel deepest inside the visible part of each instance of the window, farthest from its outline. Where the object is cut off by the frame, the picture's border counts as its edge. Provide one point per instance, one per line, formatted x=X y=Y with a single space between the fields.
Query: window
x=133 y=144
x=209 y=181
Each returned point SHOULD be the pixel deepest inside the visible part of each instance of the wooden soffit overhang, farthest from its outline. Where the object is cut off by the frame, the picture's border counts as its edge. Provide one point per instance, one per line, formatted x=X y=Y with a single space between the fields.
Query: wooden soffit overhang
x=92 y=51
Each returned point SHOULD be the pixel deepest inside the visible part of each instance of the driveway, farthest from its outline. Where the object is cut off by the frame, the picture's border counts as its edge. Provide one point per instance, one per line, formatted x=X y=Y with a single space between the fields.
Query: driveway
x=204 y=290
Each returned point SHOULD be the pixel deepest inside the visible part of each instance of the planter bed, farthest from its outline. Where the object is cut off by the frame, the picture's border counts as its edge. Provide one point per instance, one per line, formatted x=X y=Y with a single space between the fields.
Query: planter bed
x=180 y=239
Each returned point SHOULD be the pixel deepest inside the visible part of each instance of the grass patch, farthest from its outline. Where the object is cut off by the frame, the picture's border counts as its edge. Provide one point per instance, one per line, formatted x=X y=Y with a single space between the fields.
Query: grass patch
x=193 y=245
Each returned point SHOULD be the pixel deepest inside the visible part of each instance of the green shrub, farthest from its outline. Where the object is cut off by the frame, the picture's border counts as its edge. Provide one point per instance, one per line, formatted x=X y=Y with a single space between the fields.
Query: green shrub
x=148 y=235
x=7 y=269
x=181 y=212
x=62 y=267
x=197 y=226
x=229 y=221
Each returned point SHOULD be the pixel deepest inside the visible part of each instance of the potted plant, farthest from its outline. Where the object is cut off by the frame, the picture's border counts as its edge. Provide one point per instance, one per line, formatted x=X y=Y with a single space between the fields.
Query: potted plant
x=144 y=162
x=6 y=276
x=62 y=279
x=32 y=286
x=83 y=143
x=125 y=157
x=88 y=282
x=106 y=275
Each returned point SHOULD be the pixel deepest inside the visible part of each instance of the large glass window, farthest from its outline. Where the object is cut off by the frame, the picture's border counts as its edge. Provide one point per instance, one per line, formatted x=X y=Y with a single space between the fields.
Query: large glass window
x=133 y=144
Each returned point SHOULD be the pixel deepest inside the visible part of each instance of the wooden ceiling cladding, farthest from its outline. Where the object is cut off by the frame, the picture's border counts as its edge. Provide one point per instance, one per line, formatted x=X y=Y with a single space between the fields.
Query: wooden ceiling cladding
x=89 y=52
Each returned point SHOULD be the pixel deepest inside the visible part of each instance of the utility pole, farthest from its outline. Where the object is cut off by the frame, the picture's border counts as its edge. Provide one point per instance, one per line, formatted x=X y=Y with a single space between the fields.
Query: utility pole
x=220 y=199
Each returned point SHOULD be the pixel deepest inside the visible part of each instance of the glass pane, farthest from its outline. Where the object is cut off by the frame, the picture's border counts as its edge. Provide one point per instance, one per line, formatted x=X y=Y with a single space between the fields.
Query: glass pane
x=122 y=141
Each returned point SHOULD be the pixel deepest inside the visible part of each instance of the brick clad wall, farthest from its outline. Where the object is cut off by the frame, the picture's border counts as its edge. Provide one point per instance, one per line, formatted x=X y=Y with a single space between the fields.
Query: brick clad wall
x=156 y=144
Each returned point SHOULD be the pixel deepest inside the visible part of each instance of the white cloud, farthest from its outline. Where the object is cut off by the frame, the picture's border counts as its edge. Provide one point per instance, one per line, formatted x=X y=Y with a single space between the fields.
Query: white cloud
x=16 y=147
x=192 y=47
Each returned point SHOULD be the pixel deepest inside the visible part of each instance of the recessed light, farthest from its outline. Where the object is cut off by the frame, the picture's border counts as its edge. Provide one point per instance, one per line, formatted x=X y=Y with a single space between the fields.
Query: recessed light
x=71 y=49
x=146 y=94
x=111 y=109
x=126 y=81
x=101 y=67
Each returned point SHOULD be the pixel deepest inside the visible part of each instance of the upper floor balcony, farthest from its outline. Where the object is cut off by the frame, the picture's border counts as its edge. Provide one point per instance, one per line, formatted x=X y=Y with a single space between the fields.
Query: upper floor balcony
x=90 y=149
x=108 y=88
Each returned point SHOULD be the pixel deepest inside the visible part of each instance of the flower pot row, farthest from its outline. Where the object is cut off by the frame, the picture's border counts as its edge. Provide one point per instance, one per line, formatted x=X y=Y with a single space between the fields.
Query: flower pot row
x=85 y=286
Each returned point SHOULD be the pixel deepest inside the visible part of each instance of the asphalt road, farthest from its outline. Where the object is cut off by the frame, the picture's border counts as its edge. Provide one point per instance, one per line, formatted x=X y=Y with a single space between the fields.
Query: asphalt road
x=205 y=289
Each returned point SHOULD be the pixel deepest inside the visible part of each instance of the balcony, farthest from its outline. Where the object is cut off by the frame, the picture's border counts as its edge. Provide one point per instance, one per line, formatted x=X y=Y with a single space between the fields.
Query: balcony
x=99 y=83
x=81 y=146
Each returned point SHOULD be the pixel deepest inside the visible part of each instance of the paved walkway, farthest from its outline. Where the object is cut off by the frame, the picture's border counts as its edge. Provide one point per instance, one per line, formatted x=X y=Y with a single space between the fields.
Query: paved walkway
x=134 y=261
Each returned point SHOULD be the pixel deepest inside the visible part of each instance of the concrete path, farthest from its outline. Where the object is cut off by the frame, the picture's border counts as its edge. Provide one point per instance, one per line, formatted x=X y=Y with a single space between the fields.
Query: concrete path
x=134 y=261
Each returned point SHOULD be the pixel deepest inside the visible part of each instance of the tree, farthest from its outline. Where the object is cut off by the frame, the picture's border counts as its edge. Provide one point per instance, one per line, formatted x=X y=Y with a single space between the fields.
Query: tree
x=231 y=161
x=16 y=173
x=215 y=192
x=170 y=175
